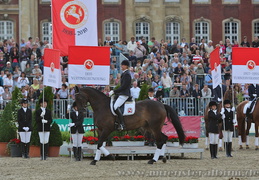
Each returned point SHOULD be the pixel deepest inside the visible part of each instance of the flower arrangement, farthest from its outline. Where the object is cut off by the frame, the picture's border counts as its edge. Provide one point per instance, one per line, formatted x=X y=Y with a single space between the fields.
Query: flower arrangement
x=128 y=138
x=191 y=139
x=15 y=141
x=173 y=139
x=90 y=140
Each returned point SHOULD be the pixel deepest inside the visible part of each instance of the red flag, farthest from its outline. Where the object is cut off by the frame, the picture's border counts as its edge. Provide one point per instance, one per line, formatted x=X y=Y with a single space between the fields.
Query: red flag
x=89 y=65
x=245 y=65
x=74 y=23
x=214 y=58
x=52 y=73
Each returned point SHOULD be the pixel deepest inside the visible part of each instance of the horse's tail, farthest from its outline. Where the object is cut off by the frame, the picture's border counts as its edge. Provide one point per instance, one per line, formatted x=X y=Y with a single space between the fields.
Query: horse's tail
x=171 y=114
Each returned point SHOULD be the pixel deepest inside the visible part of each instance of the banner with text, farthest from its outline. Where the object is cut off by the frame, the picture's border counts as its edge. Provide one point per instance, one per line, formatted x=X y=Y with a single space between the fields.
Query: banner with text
x=89 y=65
x=63 y=124
x=74 y=22
x=52 y=73
x=215 y=67
x=245 y=65
x=191 y=126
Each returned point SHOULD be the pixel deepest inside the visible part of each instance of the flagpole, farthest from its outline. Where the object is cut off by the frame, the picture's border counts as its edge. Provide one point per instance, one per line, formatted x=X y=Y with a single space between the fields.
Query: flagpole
x=233 y=102
x=222 y=105
x=43 y=126
x=70 y=134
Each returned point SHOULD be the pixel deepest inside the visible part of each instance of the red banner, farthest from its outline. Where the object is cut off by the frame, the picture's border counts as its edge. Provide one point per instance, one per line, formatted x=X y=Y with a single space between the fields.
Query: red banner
x=214 y=58
x=191 y=126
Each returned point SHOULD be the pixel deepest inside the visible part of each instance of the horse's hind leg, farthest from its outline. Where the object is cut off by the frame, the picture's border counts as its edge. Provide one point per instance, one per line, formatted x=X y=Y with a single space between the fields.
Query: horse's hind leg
x=256 y=136
x=100 y=149
x=160 y=151
x=248 y=126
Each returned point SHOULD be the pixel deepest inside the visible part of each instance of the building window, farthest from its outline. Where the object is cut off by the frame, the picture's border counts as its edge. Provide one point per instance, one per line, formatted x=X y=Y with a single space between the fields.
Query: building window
x=6 y=30
x=201 y=31
x=256 y=28
x=141 y=1
x=172 y=31
x=110 y=1
x=230 y=1
x=172 y=1
x=201 y=1
x=142 y=30
x=112 y=29
x=231 y=31
x=255 y=1
x=47 y=32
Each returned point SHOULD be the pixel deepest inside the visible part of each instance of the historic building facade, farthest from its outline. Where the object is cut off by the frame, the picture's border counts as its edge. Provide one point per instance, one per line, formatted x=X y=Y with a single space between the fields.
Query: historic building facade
x=121 y=19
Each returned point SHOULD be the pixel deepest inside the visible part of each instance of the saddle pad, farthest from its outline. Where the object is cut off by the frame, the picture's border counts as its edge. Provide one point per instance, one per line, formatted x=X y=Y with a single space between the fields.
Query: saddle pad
x=129 y=107
x=247 y=105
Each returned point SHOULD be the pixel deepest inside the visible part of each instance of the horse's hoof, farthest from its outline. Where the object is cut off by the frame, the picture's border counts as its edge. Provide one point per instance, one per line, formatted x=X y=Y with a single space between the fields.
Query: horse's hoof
x=207 y=149
x=151 y=161
x=164 y=159
x=93 y=162
x=247 y=147
x=220 y=149
x=111 y=157
x=240 y=147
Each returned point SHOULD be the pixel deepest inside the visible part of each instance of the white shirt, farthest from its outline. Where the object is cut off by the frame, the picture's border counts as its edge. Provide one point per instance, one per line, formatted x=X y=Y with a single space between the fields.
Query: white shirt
x=131 y=46
x=8 y=81
x=25 y=109
x=134 y=91
x=1 y=92
x=22 y=82
x=166 y=82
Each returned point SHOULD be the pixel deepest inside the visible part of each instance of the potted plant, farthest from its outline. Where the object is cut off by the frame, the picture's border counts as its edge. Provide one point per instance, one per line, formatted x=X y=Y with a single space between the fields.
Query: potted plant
x=128 y=140
x=191 y=142
x=14 y=147
x=7 y=129
x=55 y=140
x=91 y=142
x=172 y=141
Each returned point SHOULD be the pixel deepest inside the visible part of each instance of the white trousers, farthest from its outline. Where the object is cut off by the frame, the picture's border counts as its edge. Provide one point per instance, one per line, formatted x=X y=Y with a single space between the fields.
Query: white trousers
x=44 y=137
x=25 y=137
x=77 y=139
x=121 y=99
x=23 y=65
x=214 y=138
x=227 y=136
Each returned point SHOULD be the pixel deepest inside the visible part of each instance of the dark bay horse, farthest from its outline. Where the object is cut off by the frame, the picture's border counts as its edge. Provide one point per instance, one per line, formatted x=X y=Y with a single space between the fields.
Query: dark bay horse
x=150 y=115
x=227 y=95
x=244 y=127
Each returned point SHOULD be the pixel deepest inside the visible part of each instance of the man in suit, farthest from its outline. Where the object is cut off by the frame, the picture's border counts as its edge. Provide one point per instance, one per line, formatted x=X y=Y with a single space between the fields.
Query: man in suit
x=44 y=120
x=24 y=118
x=123 y=92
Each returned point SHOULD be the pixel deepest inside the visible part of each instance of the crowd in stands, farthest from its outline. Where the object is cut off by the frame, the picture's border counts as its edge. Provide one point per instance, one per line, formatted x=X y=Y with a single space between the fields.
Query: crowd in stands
x=179 y=69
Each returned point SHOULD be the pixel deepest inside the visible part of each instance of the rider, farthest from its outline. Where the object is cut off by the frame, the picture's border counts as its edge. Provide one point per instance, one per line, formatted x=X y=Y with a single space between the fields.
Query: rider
x=123 y=91
x=253 y=92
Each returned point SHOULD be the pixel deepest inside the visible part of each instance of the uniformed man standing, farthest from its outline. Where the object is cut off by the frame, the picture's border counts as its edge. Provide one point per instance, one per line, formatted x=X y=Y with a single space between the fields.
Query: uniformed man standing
x=123 y=92
x=214 y=120
x=228 y=126
x=24 y=118
x=44 y=120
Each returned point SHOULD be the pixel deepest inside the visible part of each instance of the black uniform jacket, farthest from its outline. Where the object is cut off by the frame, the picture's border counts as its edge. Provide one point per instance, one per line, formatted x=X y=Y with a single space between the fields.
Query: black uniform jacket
x=228 y=120
x=214 y=120
x=24 y=119
x=125 y=84
x=78 y=120
x=47 y=117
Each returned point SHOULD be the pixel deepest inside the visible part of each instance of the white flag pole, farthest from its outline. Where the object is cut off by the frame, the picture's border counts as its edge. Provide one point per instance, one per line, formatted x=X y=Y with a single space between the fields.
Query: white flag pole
x=43 y=126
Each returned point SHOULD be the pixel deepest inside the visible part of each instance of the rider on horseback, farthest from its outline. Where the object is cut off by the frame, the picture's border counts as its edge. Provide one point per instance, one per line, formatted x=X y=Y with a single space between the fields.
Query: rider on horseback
x=123 y=91
x=253 y=91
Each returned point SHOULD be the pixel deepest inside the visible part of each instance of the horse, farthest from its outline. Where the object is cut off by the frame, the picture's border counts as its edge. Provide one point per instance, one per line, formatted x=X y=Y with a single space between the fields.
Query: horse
x=149 y=115
x=244 y=127
x=227 y=95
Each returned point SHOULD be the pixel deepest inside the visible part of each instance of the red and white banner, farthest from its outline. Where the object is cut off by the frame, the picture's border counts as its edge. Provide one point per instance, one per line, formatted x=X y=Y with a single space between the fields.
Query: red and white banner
x=245 y=65
x=89 y=65
x=74 y=22
x=191 y=126
x=52 y=73
x=215 y=67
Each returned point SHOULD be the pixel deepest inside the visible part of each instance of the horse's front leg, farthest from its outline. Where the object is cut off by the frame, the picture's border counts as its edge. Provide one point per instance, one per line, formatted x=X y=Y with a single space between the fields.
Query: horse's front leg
x=248 y=126
x=101 y=149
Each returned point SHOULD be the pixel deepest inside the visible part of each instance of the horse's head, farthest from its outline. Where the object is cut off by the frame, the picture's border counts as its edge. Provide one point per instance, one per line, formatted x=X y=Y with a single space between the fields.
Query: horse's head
x=80 y=99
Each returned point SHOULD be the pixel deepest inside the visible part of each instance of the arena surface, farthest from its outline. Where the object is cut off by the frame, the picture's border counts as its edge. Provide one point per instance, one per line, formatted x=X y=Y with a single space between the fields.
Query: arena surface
x=244 y=165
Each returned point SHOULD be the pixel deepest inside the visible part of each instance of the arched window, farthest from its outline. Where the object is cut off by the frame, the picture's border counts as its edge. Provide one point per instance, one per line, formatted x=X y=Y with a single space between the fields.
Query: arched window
x=6 y=30
x=201 y=31
x=172 y=31
x=112 y=29
x=256 y=28
x=47 y=31
x=142 y=29
x=231 y=30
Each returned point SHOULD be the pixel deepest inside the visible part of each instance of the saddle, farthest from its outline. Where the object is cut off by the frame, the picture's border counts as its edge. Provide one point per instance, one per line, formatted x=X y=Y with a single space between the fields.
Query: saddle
x=128 y=108
x=249 y=107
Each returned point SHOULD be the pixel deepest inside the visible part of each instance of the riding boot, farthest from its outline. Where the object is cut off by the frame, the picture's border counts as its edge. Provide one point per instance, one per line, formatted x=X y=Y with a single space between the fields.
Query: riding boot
x=229 y=149
x=46 y=150
x=226 y=148
x=211 y=151
x=27 y=150
x=75 y=153
x=41 y=152
x=247 y=114
x=23 y=150
x=215 y=151
x=120 y=117
x=79 y=153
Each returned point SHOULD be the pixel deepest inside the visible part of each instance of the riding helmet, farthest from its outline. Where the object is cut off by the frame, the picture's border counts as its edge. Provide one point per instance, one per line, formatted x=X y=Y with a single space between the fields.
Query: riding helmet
x=150 y=90
x=212 y=103
x=24 y=101
x=74 y=104
x=227 y=101
x=125 y=62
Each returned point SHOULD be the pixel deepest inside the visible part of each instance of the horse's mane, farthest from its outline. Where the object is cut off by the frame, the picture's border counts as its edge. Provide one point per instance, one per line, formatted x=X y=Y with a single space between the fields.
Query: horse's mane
x=95 y=91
